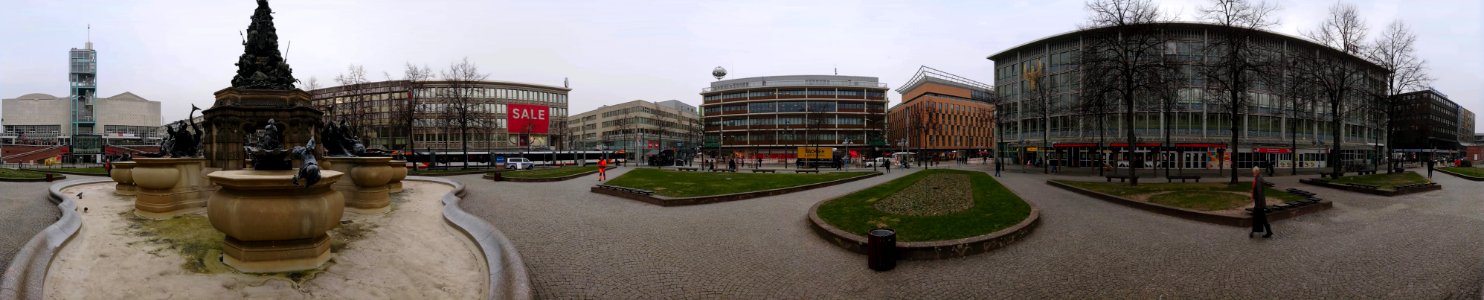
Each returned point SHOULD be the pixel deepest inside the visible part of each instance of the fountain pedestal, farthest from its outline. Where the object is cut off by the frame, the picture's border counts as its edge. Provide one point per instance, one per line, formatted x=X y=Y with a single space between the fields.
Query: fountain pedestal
x=123 y=173
x=271 y=224
x=399 y=172
x=366 y=191
x=168 y=187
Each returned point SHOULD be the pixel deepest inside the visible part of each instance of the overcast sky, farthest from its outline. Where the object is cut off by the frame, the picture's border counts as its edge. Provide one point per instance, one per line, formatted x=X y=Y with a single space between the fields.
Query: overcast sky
x=180 y=52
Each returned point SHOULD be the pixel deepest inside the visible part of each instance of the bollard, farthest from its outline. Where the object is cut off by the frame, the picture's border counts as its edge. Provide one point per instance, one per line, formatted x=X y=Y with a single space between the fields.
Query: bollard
x=49 y=177
x=881 y=249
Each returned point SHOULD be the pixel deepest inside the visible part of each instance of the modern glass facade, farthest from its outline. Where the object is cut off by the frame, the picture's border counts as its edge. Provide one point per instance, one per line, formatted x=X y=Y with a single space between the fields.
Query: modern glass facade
x=771 y=116
x=1198 y=126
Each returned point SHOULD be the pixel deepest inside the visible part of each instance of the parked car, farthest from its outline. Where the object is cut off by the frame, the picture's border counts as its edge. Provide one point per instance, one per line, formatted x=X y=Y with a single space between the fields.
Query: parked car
x=879 y=161
x=519 y=163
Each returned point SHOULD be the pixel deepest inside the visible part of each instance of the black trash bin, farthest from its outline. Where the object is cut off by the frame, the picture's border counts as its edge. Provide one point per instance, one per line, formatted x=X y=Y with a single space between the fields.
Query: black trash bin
x=881 y=249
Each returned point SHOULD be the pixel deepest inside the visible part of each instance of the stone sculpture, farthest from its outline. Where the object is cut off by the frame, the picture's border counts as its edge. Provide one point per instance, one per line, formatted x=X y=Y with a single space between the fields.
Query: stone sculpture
x=261 y=65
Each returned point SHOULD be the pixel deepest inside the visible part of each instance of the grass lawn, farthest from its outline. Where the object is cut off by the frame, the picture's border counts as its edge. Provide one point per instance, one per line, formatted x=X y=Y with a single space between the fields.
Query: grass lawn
x=20 y=174
x=549 y=172
x=693 y=184
x=1476 y=172
x=994 y=208
x=1384 y=181
x=1203 y=196
x=94 y=170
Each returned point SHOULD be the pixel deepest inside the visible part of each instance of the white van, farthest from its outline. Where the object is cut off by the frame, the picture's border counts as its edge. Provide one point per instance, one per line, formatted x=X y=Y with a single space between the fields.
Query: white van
x=519 y=163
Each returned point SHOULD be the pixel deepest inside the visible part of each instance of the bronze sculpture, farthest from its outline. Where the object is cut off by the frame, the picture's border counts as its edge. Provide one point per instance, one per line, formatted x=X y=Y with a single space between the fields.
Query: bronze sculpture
x=267 y=152
x=341 y=141
x=180 y=142
x=309 y=169
x=261 y=65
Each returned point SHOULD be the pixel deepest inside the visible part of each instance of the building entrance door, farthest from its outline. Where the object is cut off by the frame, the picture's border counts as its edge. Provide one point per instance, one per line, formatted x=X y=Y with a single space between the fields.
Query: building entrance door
x=1193 y=160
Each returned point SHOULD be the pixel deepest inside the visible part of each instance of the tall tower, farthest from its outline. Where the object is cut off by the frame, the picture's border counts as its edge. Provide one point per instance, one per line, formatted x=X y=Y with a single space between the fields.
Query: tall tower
x=83 y=76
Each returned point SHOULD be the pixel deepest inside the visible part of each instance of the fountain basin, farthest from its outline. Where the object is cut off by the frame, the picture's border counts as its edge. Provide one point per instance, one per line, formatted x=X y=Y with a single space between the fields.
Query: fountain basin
x=123 y=174
x=399 y=172
x=168 y=187
x=272 y=225
x=366 y=192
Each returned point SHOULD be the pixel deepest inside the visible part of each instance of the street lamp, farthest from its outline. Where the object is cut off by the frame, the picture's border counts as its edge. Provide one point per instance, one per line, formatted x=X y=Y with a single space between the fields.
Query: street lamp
x=847 y=152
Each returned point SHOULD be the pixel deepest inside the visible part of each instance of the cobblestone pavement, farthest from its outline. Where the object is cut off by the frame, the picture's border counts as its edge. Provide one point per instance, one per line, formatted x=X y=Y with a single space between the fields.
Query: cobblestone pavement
x=24 y=211
x=578 y=244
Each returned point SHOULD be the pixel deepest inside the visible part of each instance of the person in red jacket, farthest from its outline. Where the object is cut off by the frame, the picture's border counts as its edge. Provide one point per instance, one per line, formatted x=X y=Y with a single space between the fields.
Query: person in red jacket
x=602 y=169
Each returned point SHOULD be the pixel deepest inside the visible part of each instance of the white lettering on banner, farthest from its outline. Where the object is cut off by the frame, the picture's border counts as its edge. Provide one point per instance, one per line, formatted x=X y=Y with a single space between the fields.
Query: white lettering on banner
x=528 y=114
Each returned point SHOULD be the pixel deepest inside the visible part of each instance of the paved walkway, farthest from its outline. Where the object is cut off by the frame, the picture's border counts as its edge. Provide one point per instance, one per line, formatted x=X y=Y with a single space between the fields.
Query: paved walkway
x=582 y=245
x=24 y=211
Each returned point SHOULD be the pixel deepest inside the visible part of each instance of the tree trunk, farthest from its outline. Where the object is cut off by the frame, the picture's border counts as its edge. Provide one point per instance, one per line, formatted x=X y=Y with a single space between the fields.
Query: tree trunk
x=1335 y=122
x=1128 y=100
x=1236 y=105
x=464 y=141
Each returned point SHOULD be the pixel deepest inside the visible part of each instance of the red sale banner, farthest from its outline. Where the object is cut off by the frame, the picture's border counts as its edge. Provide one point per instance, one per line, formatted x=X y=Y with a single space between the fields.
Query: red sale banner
x=526 y=118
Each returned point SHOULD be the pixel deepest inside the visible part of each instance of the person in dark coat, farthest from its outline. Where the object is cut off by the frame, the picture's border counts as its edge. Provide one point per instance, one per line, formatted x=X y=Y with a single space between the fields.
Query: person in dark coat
x=1259 y=207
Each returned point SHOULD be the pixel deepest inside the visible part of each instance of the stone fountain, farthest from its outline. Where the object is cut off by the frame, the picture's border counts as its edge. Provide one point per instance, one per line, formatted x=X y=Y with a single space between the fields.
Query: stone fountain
x=172 y=182
x=271 y=222
x=367 y=190
x=399 y=172
x=123 y=174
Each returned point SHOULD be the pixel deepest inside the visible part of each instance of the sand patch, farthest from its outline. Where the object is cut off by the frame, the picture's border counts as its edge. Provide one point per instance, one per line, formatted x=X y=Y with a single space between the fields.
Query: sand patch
x=408 y=253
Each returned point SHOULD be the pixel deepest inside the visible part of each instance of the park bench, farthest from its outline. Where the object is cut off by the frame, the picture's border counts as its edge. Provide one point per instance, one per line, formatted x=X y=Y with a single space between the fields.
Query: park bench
x=1415 y=186
x=806 y=171
x=1363 y=186
x=689 y=169
x=763 y=170
x=626 y=190
x=1182 y=178
x=724 y=170
x=1121 y=178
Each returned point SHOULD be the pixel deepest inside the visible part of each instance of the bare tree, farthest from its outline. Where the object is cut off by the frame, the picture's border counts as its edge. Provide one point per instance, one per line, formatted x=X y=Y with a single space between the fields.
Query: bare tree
x=415 y=80
x=1296 y=97
x=1094 y=102
x=461 y=99
x=1234 y=61
x=311 y=84
x=1395 y=50
x=1040 y=89
x=357 y=108
x=1127 y=50
x=1336 y=77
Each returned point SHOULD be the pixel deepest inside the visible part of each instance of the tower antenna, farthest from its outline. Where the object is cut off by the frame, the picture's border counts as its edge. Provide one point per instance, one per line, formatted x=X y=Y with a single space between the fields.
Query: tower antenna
x=90 y=36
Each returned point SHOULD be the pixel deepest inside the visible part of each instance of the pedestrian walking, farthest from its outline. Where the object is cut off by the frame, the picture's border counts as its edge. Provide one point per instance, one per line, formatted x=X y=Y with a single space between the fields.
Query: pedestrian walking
x=732 y=165
x=1259 y=207
x=997 y=166
x=602 y=170
x=888 y=167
